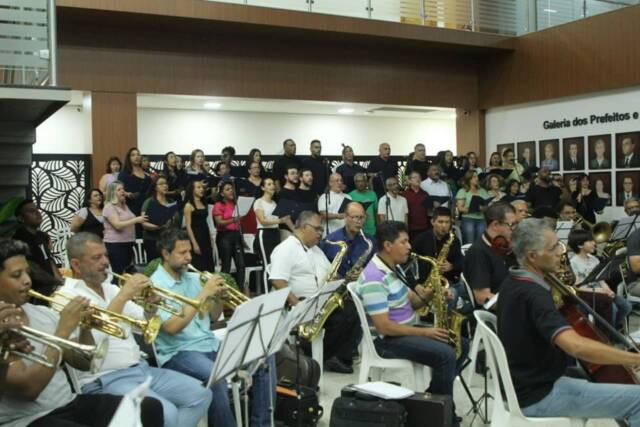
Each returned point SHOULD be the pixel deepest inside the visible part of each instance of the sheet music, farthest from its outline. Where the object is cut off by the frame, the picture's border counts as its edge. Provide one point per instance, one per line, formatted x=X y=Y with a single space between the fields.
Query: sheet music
x=624 y=227
x=563 y=228
x=244 y=205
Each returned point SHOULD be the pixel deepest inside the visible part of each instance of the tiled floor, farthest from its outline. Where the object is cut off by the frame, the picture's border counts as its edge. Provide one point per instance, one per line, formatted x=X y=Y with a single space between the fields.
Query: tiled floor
x=332 y=383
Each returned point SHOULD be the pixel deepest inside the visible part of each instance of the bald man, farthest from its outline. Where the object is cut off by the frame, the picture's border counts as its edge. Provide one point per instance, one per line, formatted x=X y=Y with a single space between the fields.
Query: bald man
x=329 y=205
x=381 y=168
x=522 y=210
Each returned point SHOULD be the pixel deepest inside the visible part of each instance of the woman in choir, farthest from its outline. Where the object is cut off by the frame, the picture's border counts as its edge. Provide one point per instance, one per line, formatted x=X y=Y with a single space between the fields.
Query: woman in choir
x=585 y=199
x=255 y=155
x=119 y=227
x=473 y=223
x=229 y=239
x=509 y=163
x=198 y=169
x=254 y=177
x=495 y=162
x=493 y=183
x=173 y=175
x=162 y=213
x=90 y=218
x=471 y=162
x=136 y=183
x=195 y=219
x=512 y=191
x=113 y=169
x=268 y=236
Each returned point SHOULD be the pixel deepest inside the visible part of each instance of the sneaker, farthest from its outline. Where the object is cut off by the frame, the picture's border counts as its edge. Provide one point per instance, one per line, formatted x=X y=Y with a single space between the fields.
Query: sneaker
x=336 y=365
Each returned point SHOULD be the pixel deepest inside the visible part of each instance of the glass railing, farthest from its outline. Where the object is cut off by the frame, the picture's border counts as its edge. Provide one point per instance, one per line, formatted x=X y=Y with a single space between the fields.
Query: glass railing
x=27 y=42
x=509 y=17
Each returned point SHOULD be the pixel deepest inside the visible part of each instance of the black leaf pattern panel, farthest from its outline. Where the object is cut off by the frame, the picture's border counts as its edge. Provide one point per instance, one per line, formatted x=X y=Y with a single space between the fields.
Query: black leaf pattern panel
x=58 y=186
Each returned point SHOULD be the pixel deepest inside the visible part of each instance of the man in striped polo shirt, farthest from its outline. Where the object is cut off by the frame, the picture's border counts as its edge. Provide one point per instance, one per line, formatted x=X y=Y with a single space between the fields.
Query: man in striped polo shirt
x=391 y=309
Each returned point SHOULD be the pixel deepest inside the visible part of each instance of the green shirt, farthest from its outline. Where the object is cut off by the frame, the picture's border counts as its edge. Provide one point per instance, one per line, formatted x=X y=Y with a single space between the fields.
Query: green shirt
x=367 y=196
x=466 y=196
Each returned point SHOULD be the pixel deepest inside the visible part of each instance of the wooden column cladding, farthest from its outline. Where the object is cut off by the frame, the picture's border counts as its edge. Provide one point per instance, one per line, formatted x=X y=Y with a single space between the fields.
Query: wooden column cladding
x=114 y=118
x=470 y=133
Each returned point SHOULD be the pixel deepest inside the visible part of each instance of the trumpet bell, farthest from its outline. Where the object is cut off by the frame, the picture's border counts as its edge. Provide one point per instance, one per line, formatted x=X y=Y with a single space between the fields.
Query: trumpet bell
x=99 y=354
x=601 y=232
x=151 y=329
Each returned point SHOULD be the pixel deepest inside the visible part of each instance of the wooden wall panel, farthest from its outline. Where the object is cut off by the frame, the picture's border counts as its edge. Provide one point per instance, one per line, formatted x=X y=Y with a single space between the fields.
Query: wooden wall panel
x=470 y=133
x=594 y=54
x=219 y=65
x=114 y=128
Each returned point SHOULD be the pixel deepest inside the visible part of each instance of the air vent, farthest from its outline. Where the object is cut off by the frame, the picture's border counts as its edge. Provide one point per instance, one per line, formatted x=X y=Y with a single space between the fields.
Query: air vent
x=402 y=110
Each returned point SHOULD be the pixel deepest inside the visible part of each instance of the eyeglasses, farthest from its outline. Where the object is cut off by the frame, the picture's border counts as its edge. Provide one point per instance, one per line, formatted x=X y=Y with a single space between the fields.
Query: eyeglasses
x=318 y=228
x=506 y=224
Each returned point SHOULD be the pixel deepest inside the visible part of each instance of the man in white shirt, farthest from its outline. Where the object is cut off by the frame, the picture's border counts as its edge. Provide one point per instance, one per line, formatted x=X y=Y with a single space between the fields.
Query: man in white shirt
x=184 y=400
x=329 y=208
x=39 y=395
x=392 y=206
x=298 y=262
x=435 y=187
x=632 y=206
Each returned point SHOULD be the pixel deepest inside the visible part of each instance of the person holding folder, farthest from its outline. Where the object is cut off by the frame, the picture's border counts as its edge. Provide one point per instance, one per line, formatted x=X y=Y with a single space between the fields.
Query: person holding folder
x=229 y=238
x=471 y=201
x=392 y=206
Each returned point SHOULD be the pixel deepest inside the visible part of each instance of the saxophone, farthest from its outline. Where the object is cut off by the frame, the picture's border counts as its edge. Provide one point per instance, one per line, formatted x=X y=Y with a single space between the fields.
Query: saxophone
x=450 y=321
x=310 y=330
x=442 y=256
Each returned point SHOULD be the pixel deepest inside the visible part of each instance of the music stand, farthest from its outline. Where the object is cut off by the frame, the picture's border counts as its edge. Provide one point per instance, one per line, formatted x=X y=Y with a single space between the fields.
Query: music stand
x=563 y=229
x=625 y=227
x=249 y=333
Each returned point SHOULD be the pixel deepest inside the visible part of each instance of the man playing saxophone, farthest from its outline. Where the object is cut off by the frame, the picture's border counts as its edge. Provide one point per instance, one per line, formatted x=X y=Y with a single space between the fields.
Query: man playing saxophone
x=391 y=307
x=341 y=340
x=299 y=263
x=37 y=394
x=184 y=400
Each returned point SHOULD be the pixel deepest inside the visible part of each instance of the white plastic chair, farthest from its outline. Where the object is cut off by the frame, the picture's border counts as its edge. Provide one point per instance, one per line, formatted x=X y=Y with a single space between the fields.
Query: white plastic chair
x=371 y=358
x=249 y=238
x=509 y=414
x=476 y=340
x=139 y=254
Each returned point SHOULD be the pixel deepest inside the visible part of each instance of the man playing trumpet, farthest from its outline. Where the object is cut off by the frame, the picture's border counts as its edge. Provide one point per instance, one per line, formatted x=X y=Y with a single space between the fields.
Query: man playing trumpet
x=37 y=394
x=186 y=343
x=184 y=399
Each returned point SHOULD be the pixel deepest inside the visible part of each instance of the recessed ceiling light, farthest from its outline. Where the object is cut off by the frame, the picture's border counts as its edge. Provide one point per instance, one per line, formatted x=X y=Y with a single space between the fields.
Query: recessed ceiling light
x=212 y=105
x=453 y=116
x=550 y=10
x=345 y=110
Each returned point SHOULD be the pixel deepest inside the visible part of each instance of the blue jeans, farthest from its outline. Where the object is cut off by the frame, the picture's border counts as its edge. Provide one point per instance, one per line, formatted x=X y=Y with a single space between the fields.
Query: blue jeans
x=620 y=310
x=184 y=399
x=199 y=365
x=472 y=229
x=572 y=397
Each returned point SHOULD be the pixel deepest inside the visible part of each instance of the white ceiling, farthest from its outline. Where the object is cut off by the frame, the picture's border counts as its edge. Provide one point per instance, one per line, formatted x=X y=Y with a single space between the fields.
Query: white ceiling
x=186 y=102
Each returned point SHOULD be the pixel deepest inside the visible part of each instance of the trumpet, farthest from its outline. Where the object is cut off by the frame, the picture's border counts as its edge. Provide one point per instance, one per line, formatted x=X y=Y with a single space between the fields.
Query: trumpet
x=92 y=356
x=168 y=297
x=106 y=321
x=232 y=297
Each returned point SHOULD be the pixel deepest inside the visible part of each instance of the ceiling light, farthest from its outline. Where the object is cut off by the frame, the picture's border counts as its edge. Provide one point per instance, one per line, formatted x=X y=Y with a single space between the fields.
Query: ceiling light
x=453 y=116
x=550 y=10
x=212 y=105
x=345 y=110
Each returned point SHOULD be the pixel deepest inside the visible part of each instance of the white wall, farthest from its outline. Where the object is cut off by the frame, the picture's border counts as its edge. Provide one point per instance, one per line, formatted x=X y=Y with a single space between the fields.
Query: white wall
x=525 y=122
x=162 y=130
x=68 y=131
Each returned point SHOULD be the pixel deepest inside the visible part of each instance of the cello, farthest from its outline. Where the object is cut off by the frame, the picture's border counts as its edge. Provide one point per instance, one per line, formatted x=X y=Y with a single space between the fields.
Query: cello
x=576 y=311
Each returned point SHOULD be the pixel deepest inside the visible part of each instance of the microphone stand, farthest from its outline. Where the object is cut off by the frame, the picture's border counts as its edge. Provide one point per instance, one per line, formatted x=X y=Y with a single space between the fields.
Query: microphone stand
x=327 y=199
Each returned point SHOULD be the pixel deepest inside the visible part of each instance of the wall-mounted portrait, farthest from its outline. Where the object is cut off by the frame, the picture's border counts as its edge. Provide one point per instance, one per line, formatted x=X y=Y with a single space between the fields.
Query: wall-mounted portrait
x=627 y=184
x=549 y=154
x=628 y=150
x=601 y=186
x=573 y=154
x=599 y=151
x=527 y=154
x=501 y=147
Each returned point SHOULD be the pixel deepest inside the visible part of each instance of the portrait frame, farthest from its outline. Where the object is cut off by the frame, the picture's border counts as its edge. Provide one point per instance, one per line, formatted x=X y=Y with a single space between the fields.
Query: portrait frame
x=566 y=158
x=554 y=164
x=607 y=161
x=606 y=179
x=620 y=176
x=521 y=147
x=620 y=158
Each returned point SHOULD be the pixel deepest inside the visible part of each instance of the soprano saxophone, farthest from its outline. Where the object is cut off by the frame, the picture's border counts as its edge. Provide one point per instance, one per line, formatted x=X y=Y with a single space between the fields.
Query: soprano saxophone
x=309 y=331
x=446 y=319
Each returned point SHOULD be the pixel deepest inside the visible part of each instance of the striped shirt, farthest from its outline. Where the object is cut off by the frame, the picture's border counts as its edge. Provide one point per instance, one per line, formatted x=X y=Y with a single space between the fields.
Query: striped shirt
x=383 y=291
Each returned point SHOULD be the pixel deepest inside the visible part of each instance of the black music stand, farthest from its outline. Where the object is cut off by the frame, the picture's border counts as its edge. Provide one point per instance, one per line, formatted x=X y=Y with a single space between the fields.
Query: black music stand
x=249 y=333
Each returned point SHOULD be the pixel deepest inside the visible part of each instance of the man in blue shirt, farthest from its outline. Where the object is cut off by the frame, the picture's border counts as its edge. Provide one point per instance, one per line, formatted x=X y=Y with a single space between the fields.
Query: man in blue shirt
x=341 y=338
x=186 y=344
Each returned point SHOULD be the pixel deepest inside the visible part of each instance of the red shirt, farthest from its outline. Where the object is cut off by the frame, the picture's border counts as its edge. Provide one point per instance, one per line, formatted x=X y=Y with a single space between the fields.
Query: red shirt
x=418 y=218
x=226 y=210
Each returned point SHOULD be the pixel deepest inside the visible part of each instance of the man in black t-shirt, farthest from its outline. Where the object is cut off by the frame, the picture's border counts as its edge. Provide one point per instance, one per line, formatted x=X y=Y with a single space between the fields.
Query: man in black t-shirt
x=543 y=193
x=537 y=340
x=282 y=163
x=419 y=163
x=318 y=166
x=290 y=188
x=45 y=274
x=305 y=189
x=486 y=263
x=381 y=168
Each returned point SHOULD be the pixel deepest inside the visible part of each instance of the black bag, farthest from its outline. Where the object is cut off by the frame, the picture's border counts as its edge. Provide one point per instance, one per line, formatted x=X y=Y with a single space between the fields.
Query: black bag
x=308 y=372
x=288 y=407
x=355 y=412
